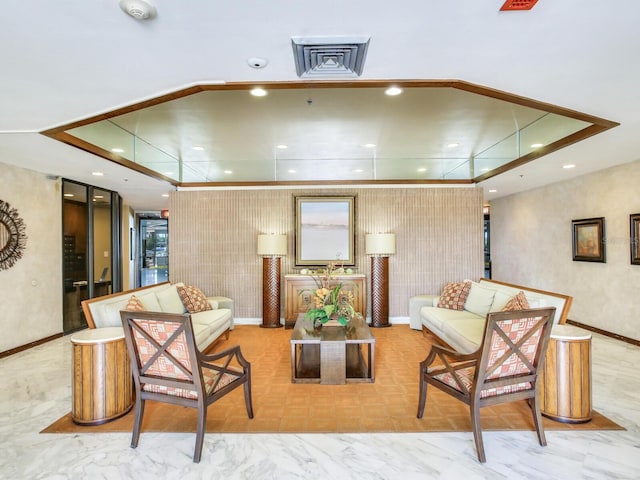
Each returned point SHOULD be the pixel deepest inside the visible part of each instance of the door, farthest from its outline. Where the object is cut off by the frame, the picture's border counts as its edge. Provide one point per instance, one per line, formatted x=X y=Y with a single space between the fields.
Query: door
x=154 y=250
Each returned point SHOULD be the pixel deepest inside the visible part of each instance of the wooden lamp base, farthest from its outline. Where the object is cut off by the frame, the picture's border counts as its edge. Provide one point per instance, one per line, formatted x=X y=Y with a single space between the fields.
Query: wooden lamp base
x=380 y=291
x=271 y=292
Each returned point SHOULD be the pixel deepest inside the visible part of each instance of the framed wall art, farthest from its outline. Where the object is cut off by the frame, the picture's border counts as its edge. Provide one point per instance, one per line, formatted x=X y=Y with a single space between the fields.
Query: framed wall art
x=588 y=240
x=634 y=221
x=325 y=230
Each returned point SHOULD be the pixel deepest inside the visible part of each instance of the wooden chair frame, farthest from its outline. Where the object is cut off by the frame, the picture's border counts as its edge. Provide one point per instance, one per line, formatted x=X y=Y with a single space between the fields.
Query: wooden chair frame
x=220 y=362
x=478 y=394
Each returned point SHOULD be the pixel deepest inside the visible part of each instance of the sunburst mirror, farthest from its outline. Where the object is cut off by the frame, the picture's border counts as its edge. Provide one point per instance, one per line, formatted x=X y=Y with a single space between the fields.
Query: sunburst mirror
x=13 y=239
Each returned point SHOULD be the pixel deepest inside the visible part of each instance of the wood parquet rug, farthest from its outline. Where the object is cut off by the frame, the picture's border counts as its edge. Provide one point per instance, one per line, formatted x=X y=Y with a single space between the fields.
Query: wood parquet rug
x=388 y=405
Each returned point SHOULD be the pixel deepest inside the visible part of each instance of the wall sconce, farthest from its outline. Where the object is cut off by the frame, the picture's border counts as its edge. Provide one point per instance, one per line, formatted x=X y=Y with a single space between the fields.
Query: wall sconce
x=271 y=248
x=380 y=246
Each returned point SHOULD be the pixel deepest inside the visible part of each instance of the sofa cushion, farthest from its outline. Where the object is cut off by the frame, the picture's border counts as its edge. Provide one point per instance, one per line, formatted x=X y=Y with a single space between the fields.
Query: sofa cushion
x=518 y=302
x=479 y=300
x=134 y=305
x=464 y=333
x=437 y=317
x=193 y=299
x=500 y=300
x=109 y=312
x=169 y=300
x=150 y=301
x=454 y=295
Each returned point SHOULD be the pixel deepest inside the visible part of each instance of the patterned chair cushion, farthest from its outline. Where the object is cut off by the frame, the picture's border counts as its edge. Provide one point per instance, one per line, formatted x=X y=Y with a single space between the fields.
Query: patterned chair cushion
x=454 y=295
x=193 y=299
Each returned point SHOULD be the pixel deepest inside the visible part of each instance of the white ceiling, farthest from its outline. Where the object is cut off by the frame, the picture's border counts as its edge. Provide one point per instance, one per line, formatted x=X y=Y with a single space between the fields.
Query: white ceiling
x=70 y=60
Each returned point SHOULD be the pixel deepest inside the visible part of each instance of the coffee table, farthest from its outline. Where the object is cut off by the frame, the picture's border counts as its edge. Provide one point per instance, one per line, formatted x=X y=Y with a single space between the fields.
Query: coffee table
x=332 y=355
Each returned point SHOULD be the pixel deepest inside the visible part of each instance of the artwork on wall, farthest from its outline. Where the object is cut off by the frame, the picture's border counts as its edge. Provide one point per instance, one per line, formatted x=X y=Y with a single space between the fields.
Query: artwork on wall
x=325 y=230
x=635 y=238
x=13 y=239
x=588 y=240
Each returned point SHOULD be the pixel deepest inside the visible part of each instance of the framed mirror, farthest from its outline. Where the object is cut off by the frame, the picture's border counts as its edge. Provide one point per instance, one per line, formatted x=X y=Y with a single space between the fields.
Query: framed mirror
x=12 y=236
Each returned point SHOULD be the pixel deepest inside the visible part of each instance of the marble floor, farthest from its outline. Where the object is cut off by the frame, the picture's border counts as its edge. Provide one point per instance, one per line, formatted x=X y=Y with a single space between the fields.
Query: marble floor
x=36 y=390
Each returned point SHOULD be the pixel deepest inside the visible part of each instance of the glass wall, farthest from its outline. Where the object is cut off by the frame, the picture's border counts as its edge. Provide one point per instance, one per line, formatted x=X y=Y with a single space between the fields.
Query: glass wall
x=90 y=217
x=154 y=251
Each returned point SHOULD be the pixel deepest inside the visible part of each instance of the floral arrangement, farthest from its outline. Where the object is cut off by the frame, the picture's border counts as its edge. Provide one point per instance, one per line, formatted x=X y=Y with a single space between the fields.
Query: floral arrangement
x=331 y=301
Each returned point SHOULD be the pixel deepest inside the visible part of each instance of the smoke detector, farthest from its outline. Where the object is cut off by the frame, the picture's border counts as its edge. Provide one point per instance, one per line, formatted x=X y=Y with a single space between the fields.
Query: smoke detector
x=138 y=9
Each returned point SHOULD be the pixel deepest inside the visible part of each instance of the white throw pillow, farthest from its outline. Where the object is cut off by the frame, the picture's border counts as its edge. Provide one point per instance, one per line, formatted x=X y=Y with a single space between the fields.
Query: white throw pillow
x=169 y=300
x=479 y=300
x=150 y=302
x=500 y=300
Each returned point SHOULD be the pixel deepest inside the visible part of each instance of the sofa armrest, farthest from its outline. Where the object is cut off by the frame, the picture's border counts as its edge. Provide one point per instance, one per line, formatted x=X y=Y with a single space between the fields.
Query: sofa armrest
x=415 y=305
x=224 y=302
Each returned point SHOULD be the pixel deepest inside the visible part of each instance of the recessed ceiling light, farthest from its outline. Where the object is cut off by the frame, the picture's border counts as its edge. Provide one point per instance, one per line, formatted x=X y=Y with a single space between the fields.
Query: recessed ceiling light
x=165 y=195
x=453 y=145
x=117 y=150
x=281 y=147
x=484 y=169
x=258 y=92
x=167 y=173
x=291 y=171
x=197 y=148
x=358 y=170
x=369 y=145
x=228 y=172
x=98 y=196
x=422 y=169
x=68 y=195
x=537 y=145
x=570 y=165
x=393 y=91
x=493 y=191
x=97 y=174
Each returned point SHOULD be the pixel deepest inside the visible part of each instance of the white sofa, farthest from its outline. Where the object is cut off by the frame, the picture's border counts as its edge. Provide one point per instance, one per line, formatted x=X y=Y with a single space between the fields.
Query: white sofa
x=462 y=330
x=208 y=325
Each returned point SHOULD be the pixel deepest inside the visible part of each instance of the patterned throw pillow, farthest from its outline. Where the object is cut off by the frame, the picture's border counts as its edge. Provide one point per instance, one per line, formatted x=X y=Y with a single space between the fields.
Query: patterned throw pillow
x=518 y=302
x=134 y=305
x=454 y=295
x=193 y=299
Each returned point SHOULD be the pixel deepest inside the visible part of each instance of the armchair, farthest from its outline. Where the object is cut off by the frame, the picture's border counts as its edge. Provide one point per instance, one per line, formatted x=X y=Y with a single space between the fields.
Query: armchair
x=504 y=368
x=168 y=367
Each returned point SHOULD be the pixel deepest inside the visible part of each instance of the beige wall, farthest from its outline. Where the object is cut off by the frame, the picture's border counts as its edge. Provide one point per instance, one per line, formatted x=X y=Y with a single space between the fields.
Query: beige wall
x=531 y=244
x=31 y=290
x=213 y=235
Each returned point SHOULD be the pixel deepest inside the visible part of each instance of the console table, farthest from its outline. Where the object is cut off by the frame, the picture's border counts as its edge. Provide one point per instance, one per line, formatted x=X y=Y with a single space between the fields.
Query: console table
x=298 y=294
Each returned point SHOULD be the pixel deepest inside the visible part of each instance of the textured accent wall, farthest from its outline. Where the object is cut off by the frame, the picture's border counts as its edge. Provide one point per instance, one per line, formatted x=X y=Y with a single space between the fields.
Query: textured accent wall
x=531 y=244
x=213 y=238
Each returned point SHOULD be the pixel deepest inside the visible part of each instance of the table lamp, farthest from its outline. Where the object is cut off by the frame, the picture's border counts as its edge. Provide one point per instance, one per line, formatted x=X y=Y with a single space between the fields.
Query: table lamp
x=380 y=246
x=271 y=248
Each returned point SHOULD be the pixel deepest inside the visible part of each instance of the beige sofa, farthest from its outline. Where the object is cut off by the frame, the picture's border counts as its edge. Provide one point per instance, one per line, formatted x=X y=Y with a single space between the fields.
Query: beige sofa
x=462 y=330
x=208 y=325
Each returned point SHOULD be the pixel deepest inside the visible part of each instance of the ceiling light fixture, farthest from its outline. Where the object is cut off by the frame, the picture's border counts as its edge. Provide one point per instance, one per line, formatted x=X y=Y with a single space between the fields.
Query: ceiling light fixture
x=281 y=147
x=493 y=191
x=568 y=166
x=369 y=145
x=422 y=169
x=258 y=92
x=69 y=195
x=291 y=171
x=453 y=145
x=358 y=170
x=537 y=145
x=393 y=91
x=138 y=9
x=97 y=174
x=228 y=172
x=197 y=148
x=166 y=195
x=117 y=150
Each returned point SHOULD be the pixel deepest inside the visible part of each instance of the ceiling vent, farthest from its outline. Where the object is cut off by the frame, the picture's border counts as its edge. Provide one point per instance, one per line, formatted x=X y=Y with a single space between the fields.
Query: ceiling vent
x=510 y=5
x=329 y=56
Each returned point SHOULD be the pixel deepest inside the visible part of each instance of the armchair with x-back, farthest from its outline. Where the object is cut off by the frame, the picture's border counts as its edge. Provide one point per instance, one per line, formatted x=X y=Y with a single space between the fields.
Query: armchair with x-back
x=504 y=368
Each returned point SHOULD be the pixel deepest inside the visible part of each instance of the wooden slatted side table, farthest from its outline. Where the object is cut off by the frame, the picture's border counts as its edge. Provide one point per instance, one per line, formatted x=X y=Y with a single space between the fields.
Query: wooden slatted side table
x=565 y=381
x=102 y=389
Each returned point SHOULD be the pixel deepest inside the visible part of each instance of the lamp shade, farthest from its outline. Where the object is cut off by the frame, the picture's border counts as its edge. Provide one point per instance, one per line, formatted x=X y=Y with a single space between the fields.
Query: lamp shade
x=272 y=245
x=380 y=243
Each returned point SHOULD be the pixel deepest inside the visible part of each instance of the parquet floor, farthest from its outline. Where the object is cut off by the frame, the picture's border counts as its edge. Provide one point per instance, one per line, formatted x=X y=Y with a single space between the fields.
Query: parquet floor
x=388 y=405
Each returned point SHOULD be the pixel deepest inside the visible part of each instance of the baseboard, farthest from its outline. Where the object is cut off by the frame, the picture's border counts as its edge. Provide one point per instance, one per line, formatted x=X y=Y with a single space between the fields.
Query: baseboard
x=22 y=348
x=605 y=333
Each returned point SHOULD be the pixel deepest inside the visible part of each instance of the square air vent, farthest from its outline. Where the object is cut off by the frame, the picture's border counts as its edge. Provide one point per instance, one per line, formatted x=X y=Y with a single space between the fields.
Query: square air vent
x=329 y=56
x=518 y=5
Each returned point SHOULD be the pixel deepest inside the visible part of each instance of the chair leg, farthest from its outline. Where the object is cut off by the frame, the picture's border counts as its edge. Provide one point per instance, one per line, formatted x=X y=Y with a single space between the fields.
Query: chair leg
x=534 y=404
x=422 y=394
x=202 y=423
x=477 y=431
x=137 y=421
x=247 y=397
